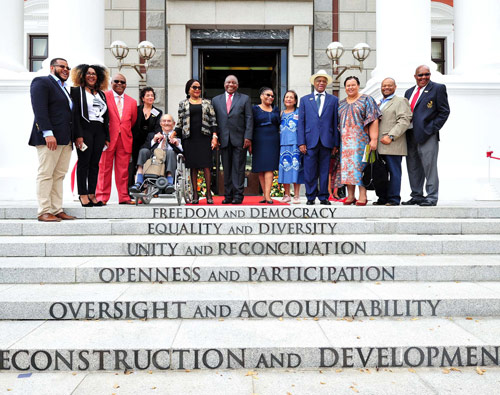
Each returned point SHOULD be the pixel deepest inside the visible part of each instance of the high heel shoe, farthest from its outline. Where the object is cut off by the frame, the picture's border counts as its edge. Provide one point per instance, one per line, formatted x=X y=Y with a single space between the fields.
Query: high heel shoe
x=348 y=203
x=210 y=200
x=263 y=201
x=358 y=203
x=89 y=204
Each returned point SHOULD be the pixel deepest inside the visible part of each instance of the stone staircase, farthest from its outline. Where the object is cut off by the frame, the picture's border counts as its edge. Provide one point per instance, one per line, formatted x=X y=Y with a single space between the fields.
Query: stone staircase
x=157 y=288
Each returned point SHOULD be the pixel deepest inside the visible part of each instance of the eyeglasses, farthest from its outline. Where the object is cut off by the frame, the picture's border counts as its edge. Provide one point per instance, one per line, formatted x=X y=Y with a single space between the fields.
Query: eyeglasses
x=120 y=82
x=196 y=88
x=269 y=95
x=62 y=66
x=424 y=75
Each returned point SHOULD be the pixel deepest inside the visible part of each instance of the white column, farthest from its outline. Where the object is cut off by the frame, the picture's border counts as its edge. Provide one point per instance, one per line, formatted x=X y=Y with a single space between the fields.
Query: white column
x=477 y=33
x=403 y=37
x=12 y=35
x=76 y=31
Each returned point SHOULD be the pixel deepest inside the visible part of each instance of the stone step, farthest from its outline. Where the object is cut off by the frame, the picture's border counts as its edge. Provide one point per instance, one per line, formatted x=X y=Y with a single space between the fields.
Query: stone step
x=249 y=268
x=192 y=245
x=387 y=381
x=204 y=227
x=247 y=300
x=248 y=344
x=264 y=211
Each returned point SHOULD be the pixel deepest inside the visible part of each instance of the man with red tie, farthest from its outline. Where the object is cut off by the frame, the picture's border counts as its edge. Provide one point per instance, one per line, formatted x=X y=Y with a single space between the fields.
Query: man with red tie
x=122 y=117
x=429 y=104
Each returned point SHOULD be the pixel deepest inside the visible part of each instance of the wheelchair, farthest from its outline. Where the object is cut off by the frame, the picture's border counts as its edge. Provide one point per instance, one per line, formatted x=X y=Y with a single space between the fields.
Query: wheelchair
x=157 y=186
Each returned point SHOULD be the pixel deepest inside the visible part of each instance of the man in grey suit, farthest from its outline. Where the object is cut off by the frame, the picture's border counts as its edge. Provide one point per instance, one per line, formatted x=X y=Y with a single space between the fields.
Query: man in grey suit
x=235 y=120
x=396 y=118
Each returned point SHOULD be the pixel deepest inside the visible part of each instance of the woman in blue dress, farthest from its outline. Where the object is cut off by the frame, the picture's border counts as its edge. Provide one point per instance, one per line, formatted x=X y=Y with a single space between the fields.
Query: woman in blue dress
x=291 y=170
x=266 y=141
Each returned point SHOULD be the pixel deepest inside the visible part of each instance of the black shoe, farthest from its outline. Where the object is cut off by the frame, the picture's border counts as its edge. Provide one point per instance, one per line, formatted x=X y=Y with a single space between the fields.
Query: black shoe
x=89 y=204
x=136 y=188
x=380 y=203
x=310 y=202
x=263 y=201
x=169 y=188
x=427 y=203
x=413 y=202
x=227 y=201
x=270 y=201
x=237 y=201
x=325 y=202
x=98 y=204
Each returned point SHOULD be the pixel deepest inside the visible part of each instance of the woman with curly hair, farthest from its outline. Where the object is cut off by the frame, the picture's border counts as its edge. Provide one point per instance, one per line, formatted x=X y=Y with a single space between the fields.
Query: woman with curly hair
x=196 y=126
x=90 y=126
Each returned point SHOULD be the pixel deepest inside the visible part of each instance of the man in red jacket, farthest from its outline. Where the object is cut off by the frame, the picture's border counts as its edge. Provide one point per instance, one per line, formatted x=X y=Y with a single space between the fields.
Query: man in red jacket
x=122 y=116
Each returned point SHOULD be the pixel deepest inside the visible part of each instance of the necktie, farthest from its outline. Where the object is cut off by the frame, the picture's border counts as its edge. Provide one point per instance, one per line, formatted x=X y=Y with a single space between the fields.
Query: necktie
x=164 y=142
x=119 y=106
x=415 y=98
x=318 y=101
x=229 y=102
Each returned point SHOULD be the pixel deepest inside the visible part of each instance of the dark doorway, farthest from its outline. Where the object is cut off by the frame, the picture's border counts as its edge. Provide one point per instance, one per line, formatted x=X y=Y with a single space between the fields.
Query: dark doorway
x=255 y=67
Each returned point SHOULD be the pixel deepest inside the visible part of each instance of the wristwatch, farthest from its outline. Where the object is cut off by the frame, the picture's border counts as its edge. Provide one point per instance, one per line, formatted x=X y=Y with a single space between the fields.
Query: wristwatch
x=391 y=137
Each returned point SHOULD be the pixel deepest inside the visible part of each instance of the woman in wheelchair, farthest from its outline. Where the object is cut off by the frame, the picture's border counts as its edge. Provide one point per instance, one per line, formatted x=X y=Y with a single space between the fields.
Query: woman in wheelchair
x=170 y=144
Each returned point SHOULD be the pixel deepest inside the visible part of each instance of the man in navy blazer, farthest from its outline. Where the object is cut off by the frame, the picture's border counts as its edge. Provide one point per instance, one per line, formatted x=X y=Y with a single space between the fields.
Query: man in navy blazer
x=52 y=137
x=318 y=136
x=429 y=103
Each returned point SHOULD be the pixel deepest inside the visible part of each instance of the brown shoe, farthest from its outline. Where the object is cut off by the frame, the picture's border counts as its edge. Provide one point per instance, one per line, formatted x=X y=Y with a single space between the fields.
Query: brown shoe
x=62 y=215
x=48 y=218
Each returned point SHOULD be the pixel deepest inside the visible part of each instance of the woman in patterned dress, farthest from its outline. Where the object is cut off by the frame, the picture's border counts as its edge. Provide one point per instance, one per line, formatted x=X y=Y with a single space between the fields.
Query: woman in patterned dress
x=291 y=169
x=358 y=123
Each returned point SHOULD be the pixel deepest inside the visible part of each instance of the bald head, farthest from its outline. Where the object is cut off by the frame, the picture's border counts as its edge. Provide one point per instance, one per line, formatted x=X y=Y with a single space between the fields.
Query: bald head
x=422 y=75
x=119 y=83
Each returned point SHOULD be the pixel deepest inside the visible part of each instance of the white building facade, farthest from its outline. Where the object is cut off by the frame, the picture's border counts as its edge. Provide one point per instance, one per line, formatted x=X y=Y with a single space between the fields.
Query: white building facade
x=278 y=43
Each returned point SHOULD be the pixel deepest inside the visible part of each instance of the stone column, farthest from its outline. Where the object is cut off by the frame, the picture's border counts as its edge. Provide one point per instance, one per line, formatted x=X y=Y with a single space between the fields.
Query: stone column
x=403 y=37
x=477 y=50
x=76 y=31
x=12 y=34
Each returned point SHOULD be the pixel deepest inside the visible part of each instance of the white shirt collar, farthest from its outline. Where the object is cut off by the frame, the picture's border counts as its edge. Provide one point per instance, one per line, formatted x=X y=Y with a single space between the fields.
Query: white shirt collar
x=116 y=95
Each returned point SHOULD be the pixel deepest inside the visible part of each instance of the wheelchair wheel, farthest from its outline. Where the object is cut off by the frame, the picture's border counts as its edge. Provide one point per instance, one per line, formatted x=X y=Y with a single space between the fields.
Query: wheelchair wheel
x=188 y=188
x=178 y=187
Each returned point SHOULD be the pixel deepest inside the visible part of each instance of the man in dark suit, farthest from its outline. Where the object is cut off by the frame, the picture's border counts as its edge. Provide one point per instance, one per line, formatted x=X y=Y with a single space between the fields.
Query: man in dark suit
x=52 y=137
x=429 y=103
x=235 y=129
x=317 y=136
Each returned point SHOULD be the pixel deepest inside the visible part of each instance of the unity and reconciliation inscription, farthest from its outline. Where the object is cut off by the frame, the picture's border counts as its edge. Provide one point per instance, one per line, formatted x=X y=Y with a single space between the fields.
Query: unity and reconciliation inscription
x=248 y=248
x=250 y=273
x=247 y=358
x=249 y=212
x=243 y=309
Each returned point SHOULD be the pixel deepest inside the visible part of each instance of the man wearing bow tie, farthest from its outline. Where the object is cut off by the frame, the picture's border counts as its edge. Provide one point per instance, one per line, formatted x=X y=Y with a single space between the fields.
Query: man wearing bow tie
x=318 y=136
x=52 y=137
x=429 y=104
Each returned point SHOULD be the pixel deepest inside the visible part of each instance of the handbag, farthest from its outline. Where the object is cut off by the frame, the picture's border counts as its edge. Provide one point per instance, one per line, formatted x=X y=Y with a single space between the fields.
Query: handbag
x=375 y=174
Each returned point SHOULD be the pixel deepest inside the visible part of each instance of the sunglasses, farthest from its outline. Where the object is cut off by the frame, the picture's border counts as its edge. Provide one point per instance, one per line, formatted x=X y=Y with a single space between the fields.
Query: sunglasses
x=424 y=75
x=62 y=66
x=119 y=82
x=196 y=88
x=269 y=95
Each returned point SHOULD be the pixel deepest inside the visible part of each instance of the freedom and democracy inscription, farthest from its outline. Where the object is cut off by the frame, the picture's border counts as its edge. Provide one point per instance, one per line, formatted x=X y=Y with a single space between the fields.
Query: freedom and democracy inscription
x=244 y=213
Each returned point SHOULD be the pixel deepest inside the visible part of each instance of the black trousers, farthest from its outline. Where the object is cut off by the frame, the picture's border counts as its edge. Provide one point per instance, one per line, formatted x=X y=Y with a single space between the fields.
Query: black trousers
x=88 y=160
x=233 y=162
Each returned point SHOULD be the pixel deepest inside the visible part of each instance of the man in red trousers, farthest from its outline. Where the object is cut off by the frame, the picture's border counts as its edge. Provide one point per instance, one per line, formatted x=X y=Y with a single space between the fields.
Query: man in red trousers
x=122 y=116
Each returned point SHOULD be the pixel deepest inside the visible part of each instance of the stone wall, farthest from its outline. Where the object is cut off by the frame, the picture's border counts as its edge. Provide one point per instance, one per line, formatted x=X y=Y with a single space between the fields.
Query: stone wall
x=122 y=23
x=357 y=25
